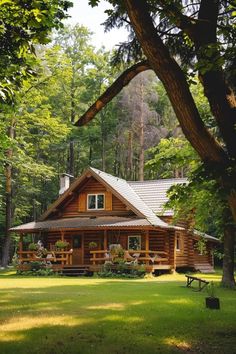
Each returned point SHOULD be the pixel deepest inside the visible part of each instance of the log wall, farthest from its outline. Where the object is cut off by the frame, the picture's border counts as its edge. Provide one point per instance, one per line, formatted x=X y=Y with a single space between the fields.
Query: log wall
x=77 y=203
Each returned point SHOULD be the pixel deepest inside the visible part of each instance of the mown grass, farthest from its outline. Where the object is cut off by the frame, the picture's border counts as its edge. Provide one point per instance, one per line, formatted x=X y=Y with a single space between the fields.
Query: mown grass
x=90 y=315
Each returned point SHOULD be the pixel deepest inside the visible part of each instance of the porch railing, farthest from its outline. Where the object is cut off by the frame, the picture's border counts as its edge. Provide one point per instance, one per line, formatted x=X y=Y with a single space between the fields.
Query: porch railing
x=140 y=256
x=61 y=257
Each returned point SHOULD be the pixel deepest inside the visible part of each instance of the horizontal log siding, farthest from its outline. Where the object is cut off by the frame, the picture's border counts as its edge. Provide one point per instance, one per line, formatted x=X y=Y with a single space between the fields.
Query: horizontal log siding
x=190 y=251
x=71 y=208
x=117 y=204
x=203 y=258
x=121 y=237
x=171 y=251
x=158 y=241
x=93 y=186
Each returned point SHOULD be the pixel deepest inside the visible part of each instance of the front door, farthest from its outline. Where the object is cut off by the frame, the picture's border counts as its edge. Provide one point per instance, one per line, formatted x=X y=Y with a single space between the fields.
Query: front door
x=77 y=256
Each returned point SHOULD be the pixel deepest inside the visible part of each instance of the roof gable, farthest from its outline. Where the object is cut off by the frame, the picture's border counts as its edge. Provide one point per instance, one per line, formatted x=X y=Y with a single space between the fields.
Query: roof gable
x=119 y=187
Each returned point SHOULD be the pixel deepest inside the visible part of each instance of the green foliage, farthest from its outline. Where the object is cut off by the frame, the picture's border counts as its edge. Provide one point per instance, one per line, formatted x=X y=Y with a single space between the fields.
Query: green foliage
x=200 y=201
x=36 y=265
x=24 y=25
x=62 y=244
x=211 y=289
x=33 y=247
x=170 y=155
x=92 y=245
x=121 y=271
x=47 y=272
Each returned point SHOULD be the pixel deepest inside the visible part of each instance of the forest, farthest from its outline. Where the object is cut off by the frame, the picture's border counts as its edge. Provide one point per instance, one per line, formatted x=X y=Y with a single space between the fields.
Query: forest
x=139 y=134
x=43 y=143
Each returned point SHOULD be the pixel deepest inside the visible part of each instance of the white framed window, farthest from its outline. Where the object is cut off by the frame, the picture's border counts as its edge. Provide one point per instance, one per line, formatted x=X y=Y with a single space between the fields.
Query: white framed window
x=95 y=201
x=178 y=242
x=134 y=242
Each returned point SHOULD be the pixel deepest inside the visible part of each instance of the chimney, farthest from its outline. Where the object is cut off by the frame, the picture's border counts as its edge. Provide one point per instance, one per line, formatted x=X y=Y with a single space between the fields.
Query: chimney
x=64 y=182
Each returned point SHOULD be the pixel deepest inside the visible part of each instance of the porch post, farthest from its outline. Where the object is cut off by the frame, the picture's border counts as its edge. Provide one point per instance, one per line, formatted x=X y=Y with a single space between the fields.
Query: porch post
x=174 y=258
x=105 y=245
x=21 y=246
x=21 y=243
x=147 y=245
x=62 y=234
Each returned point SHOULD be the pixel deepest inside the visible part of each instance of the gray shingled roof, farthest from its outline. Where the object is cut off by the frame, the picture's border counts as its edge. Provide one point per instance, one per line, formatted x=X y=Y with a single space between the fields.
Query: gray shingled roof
x=153 y=193
x=144 y=198
x=82 y=222
x=129 y=194
x=204 y=235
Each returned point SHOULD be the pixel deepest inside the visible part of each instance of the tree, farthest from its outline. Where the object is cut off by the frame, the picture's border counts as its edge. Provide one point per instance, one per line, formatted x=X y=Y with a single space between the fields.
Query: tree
x=32 y=133
x=23 y=25
x=175 y=39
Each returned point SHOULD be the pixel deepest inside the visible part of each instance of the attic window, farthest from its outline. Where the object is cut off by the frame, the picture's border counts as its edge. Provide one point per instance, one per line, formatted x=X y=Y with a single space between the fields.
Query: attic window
x=95 y=201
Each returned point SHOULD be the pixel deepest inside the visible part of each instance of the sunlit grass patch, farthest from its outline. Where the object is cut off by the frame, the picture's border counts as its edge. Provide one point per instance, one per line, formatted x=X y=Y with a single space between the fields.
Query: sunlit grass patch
x=91 y=315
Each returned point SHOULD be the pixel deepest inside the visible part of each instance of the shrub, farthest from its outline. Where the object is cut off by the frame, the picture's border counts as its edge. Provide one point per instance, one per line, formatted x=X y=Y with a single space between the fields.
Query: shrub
x=33 y=246
x=35 y=265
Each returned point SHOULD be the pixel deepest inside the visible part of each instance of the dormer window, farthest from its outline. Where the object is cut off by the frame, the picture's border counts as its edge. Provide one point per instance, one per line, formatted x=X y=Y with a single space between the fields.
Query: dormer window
x=96 y=201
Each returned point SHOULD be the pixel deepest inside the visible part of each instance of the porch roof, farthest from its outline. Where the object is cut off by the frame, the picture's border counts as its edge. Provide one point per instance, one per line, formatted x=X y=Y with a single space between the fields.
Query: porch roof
x=86 y=223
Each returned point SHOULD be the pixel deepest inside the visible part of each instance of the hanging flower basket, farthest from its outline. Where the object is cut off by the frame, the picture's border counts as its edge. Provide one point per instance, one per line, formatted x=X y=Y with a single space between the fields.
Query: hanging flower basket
x=61 y=244
x=92 y=245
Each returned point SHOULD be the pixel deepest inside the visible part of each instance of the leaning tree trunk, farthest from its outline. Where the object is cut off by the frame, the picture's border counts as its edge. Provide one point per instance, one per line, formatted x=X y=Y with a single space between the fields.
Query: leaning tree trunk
x=8 y=201
x=228 y=260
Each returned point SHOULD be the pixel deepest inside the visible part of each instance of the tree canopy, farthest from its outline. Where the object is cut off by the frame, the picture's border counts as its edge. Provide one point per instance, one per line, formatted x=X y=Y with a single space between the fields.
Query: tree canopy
x=24 y=24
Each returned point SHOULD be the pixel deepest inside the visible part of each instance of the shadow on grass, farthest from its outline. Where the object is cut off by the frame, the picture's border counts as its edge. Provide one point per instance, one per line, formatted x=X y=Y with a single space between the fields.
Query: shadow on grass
x=103 y=316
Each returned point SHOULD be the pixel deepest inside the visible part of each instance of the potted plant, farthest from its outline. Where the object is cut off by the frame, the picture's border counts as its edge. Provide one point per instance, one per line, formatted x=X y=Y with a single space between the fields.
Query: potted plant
x=212 y=302
x=92 y=245
x=61 y=244
x=33 y=246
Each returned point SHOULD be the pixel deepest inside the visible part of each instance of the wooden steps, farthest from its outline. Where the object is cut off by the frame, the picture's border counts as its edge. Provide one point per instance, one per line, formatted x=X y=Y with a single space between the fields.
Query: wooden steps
x=76 y=270
x=204 y=267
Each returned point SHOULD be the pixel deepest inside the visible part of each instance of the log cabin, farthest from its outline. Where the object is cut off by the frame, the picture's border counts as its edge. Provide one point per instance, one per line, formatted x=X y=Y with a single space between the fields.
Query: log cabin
x=99 y=211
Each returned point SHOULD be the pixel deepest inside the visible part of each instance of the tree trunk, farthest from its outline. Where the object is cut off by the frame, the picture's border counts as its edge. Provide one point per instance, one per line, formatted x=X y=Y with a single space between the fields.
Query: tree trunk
x=141 y=137
x=71 y=157
x=228 y=260
x=103 y=139
x=130 y=155
x=8 y=200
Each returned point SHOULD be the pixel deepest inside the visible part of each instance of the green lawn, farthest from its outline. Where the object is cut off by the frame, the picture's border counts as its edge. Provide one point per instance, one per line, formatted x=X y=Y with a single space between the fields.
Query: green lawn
x=89 y=315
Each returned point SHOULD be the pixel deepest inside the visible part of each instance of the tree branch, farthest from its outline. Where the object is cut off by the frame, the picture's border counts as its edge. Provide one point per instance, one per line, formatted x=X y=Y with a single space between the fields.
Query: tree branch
x=174 y=82
x=220 y=96
x=113 y=90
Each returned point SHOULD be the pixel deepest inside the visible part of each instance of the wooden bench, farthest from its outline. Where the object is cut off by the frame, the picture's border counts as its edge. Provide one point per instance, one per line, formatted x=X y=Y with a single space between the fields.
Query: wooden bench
x=201 y=282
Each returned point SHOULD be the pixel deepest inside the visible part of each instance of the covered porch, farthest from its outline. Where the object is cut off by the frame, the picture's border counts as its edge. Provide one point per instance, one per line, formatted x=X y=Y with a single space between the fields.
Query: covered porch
x=143 y=245
x=153 y=249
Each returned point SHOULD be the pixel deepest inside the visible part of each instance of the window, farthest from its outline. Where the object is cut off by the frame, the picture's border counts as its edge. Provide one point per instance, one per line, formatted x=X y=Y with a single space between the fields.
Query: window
x=178 y=242
x=95 y=201
x=134 y=242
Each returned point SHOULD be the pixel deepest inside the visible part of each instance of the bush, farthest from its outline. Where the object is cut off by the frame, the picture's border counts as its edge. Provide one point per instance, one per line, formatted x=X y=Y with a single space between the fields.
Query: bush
x=46 y=272
x=121 y=271
x=33 y=247
x=35 y=265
